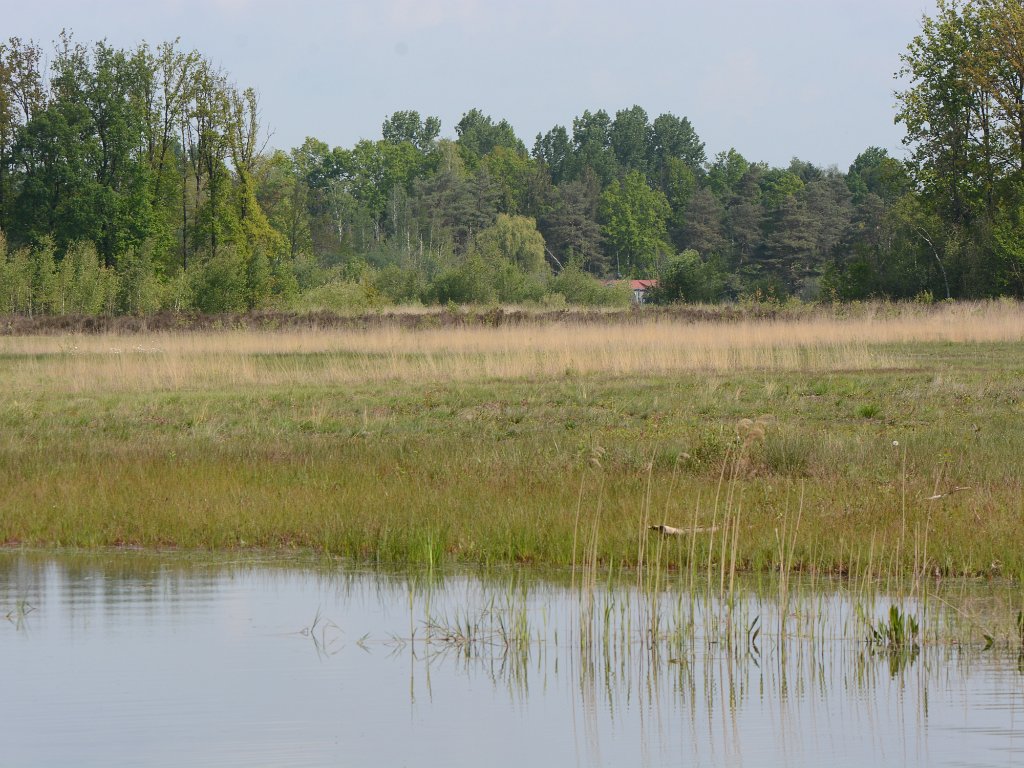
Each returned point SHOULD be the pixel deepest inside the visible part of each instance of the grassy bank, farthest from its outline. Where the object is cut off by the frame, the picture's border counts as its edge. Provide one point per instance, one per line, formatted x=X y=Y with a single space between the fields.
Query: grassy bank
x=494 y=444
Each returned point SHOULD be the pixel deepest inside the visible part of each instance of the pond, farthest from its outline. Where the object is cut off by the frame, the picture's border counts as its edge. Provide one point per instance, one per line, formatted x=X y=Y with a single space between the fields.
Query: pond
x=122 y=659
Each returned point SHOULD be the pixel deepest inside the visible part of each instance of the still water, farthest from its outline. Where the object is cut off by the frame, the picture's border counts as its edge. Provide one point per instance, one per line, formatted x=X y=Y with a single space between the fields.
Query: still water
x=142 y=660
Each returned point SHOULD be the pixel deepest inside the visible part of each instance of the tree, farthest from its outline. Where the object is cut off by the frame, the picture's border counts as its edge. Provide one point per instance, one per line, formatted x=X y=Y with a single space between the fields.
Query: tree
x=744 y=218
x=592 y=147
x=479 y=135
x=373 y=169
x=630 y=135
x=685 y=277
x=702 y=223
x=725 y=173
x=453 y=204
x=777 y=186
x=514 y=239
x=168 y=93
x=21 y=98
x=206 y=145
x=282 y=196
x=947 y=113
x=873 y=171
x=407 y=126
x=1007 y=234
x=963 y=111
x=115 y=95
x=634 y=217
x=510 y=171
x=674 y=138
x=84 y=285
x=788 y=258
x=829 y=204
x=572 y=228
x=678 y=182
x=555 y=151
x=996 y=67
x=40 y=271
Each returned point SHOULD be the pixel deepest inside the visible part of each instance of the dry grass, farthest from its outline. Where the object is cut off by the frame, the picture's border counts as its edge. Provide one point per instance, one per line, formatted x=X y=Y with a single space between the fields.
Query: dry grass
x=175 y=361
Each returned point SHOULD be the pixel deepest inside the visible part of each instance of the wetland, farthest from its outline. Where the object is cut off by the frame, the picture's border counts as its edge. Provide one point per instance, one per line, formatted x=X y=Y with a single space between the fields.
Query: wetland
x=151 y=660
x=641 y=539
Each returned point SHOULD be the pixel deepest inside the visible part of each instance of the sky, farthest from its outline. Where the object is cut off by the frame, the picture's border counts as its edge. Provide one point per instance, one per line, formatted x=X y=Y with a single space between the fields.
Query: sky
x=774 y=79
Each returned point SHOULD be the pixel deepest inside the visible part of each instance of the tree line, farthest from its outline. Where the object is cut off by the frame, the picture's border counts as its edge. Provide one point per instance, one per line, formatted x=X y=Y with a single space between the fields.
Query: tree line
x=134 y=181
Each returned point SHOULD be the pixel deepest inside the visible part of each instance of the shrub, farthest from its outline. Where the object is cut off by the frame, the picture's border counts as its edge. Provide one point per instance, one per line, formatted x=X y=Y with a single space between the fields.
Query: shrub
x=686 y=277
x=579 y=287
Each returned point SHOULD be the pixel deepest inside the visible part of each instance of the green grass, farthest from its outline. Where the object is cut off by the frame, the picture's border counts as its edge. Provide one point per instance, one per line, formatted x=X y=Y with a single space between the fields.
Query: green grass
x=492 y=471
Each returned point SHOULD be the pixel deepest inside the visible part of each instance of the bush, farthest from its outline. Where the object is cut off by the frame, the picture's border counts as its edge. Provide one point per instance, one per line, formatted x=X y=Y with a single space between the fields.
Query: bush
x=138 y=289
x=399 y=286
x=84 y=285
x=579 y=287
x=219 y=284
x=467 y=283
x=339 y=296
x=686 y=277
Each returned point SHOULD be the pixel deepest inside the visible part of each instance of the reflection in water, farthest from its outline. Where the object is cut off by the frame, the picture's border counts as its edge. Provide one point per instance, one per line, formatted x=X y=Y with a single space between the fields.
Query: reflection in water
x=136 y=659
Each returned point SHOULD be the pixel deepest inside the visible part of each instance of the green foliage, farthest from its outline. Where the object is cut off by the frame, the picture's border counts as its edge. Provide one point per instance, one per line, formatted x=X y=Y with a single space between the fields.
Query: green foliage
x=874 y=172
x=514 y=239
x=15 y=279
x=36 y=271
x=579 y=287
x=258 y=280
x=84 y=285
x=725 y=173
x=635 y=218
x=592 y=148
x=898 y=630
x=471 y=282
x=153 y=149
x=218 y=284
x=339 y=296
x=554 y=150
x=964 y=125
x=674 y=138
x=138 y=290
x=777 y=186
x=514 y=286
x=510 y=171
x=400 y=286
x=407 y=126
x=1008 y=234
x=630 y=135
x=479 y=135
x=686 y=277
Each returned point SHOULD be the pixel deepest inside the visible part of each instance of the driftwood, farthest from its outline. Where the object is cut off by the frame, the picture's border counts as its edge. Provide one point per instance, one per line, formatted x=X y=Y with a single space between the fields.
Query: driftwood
x=668 y=530
x=938 y=496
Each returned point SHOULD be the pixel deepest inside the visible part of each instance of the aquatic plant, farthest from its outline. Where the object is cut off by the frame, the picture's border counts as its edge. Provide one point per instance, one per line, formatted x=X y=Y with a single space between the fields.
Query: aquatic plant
x=898 y=630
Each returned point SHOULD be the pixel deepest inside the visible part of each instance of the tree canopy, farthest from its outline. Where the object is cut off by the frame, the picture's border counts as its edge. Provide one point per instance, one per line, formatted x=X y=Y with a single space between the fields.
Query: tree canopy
x=139 y=179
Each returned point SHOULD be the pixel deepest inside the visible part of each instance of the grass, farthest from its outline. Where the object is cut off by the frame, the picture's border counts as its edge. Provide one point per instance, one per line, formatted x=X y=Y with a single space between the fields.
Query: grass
x=553 y=443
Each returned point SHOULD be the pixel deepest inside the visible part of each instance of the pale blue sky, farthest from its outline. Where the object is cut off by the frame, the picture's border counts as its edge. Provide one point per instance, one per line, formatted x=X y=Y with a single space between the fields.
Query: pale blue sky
x=812 y=78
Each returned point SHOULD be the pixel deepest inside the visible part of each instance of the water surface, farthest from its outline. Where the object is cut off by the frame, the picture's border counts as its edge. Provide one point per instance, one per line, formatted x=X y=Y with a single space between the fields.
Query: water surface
x=143 y=660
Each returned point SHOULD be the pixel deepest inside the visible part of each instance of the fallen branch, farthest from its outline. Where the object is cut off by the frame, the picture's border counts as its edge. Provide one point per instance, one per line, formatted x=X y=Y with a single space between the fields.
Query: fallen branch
x=668 y=530
x=938 y=496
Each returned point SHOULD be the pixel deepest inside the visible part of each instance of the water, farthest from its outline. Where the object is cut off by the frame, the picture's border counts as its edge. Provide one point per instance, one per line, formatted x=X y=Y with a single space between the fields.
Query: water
x=141 y=660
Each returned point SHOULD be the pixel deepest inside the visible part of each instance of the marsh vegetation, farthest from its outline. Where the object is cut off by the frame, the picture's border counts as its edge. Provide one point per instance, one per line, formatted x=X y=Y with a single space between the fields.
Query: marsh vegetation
x=891 y=436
